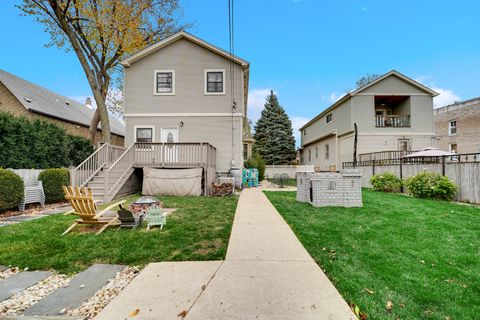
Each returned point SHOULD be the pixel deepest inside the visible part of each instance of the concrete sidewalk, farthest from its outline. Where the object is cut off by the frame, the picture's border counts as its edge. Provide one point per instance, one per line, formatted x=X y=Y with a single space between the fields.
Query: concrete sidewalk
x=267 y=274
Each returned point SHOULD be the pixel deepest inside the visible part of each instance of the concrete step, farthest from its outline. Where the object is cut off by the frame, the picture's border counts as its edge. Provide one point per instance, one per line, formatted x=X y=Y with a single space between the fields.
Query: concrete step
x=19 y=282
x=81 y=288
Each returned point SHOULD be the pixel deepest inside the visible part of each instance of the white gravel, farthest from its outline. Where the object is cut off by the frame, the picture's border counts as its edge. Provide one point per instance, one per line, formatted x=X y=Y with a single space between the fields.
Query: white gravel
x=18 y=303
x=95 y=304
x=8 y=273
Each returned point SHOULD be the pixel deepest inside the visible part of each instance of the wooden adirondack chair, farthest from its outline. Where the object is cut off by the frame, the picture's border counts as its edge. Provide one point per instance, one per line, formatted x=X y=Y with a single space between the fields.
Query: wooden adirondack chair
x=81 y=200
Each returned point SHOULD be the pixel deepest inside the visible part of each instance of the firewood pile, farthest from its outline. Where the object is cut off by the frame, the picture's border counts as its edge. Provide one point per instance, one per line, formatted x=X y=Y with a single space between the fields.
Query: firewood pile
x=222 y=189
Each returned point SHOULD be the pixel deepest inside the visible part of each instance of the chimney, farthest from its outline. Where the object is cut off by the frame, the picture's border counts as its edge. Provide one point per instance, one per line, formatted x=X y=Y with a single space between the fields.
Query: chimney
x=88 y=103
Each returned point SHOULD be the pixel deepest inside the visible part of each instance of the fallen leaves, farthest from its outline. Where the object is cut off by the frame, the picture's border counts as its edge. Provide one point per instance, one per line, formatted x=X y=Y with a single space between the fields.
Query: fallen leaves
x=369 y=291
x=360 y=314
x=134 y=313
x=389 y=306
x=182 y=314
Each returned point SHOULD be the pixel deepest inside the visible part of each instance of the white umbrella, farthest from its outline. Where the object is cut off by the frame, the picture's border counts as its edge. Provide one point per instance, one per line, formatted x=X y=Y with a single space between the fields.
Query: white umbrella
x=429 y=152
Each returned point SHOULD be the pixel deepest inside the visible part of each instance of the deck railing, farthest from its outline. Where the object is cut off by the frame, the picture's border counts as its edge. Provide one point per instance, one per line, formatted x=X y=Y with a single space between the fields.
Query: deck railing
x=102 y=157
x=392 y=121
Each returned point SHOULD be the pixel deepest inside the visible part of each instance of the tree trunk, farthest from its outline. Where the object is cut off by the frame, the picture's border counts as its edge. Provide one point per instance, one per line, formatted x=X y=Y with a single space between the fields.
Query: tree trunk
x=92 y=130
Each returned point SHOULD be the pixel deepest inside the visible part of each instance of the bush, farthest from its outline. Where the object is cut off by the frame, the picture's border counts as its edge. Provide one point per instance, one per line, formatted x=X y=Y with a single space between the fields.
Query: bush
x=386 y=182
x=53 y=180
x=258 y=163
x=38 y=144
x=431 y=186
x=11 y=189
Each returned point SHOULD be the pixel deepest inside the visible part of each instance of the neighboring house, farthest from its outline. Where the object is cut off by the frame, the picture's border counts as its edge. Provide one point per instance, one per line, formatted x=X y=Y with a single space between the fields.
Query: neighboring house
x=180 y=90
x=23 y=98
x=392 y=112
x=458 y=126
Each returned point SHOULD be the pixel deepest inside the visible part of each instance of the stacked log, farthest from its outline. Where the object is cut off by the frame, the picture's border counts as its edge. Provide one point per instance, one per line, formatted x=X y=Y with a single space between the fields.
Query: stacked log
x=222 y=189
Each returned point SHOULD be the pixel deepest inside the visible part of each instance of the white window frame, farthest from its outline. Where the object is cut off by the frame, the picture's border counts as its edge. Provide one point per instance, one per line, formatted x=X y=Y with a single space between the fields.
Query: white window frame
x=327 y=151
x=143 y=127
x=326 y=118
x=155 y=93
x=205 y=84
x=450 y=128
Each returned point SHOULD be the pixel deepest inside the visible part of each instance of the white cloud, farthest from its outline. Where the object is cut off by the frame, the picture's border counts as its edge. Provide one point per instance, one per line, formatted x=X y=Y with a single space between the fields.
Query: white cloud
x=334 y=97
x=445 y=97
x=297 y=123
x=256 y=103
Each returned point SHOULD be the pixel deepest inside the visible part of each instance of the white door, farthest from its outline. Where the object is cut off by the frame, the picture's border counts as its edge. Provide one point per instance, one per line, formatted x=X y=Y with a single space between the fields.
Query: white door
x=170 y=135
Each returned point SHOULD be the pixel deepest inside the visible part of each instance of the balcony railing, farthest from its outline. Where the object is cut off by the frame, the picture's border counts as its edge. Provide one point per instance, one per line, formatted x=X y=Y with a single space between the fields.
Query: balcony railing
x=396 y=121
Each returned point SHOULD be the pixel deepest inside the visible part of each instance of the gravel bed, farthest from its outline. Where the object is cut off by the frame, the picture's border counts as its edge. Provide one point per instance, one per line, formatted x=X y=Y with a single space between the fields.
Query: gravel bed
x=33 y=210
x=17 y=304
x=8 y=273
x=95 y=304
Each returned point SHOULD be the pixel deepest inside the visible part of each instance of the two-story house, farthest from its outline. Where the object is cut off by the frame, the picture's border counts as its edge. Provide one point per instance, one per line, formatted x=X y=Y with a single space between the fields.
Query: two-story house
x=185 y=103
x=393 y=112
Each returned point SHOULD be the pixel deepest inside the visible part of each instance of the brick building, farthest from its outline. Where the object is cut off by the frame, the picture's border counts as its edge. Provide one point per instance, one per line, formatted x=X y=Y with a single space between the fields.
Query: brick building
x=25 y=99
x=457 y=126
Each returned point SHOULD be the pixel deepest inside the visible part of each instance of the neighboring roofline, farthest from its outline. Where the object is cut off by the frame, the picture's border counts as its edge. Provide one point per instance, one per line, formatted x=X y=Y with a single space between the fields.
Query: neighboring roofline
x=359 y=90
x=70 y=121
x=178 y=36
x=458 y=103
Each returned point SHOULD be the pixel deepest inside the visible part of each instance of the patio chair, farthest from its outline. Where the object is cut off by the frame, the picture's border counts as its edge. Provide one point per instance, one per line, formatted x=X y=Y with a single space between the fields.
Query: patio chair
x=81 y=200
x=156 y=217
x=33 y=190
x=128 y=219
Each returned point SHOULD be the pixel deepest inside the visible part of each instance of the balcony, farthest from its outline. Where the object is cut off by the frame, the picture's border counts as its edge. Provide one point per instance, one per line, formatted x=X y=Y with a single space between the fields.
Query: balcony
x=393 y=121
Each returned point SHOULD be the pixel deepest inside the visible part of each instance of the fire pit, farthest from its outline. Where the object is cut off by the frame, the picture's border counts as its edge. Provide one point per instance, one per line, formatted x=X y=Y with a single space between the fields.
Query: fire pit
x=142 y=204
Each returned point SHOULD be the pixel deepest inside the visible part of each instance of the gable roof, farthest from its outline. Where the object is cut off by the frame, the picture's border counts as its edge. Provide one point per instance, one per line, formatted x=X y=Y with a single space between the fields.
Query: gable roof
x=43 y=101
x=176 y=37
x=348 y=95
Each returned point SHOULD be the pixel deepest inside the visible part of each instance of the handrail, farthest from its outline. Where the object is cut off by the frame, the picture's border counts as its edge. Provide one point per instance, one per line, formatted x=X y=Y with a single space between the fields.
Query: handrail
x=90 y=167
x=119 y=169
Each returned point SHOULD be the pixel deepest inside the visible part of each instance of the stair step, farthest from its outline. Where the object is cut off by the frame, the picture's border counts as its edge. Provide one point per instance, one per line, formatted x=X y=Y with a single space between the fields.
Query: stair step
x=19 y=282
x=81 y=288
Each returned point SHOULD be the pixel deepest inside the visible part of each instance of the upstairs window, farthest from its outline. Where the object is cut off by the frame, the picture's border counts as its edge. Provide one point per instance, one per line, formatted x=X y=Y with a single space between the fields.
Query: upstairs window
x=164 y=82
x=329 y=118
x=452 y=128
x=214 y=81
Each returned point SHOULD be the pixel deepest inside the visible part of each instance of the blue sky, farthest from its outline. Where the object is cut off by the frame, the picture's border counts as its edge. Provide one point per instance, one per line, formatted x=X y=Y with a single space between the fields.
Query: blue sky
x=308 y=51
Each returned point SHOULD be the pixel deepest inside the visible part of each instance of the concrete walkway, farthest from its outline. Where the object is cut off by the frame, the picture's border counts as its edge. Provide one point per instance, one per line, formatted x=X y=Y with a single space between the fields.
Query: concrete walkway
x=267 y=274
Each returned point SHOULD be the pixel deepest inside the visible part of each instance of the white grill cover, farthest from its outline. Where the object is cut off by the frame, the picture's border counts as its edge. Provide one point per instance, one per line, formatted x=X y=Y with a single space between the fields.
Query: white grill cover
x=175 y=182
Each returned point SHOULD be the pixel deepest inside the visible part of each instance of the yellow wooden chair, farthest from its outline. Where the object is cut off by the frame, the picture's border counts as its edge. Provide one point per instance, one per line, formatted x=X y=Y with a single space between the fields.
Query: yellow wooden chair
x=81 y=200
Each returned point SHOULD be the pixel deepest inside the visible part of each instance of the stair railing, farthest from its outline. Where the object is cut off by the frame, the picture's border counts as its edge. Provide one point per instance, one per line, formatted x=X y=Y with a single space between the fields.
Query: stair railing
x=117 y=171
x=90 y=167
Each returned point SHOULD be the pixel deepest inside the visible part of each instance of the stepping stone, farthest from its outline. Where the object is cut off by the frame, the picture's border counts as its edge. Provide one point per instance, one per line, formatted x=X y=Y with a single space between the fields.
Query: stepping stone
x=3 y=268
x=82 y=287
x=19 y=282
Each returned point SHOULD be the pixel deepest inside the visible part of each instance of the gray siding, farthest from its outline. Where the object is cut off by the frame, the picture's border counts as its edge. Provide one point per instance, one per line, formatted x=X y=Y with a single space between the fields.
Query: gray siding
x=189 y=61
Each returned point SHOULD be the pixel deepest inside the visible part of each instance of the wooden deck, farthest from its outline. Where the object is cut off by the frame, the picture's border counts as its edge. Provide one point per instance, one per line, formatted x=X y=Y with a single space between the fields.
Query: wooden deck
x=109 y=167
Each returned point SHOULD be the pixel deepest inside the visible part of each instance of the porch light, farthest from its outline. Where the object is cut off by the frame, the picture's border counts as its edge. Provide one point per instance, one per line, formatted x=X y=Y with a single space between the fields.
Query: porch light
x=181 y=123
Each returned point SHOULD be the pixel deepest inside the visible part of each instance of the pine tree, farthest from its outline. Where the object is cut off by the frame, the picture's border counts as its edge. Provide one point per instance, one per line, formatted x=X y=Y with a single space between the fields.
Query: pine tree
x=273 y=136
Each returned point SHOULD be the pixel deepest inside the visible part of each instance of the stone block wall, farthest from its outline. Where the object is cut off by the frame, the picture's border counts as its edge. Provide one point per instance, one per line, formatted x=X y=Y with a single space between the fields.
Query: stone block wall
x=324 y=189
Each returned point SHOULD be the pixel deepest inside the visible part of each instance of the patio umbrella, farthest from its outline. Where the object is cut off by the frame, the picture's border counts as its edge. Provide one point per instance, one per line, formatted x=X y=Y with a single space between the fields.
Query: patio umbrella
x=429 y=152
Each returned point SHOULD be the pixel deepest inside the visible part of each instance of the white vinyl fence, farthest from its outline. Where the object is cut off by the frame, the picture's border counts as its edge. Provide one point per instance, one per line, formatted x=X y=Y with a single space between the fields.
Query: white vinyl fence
x=272 y=170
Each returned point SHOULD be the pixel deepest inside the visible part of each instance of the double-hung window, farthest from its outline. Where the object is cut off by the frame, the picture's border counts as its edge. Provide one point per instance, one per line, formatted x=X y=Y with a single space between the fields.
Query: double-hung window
x=327 y=151
x=164 y=82
x=144 y=134
x=214 y=82
x=452 y=128
x=329 y=118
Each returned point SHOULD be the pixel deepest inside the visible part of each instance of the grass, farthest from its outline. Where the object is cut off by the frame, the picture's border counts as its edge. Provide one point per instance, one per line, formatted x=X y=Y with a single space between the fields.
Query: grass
x=198 y=230
x=422 y=255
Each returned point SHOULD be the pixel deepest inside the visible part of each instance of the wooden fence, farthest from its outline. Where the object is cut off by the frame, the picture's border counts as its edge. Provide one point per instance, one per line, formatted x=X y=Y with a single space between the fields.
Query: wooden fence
x=462 y=169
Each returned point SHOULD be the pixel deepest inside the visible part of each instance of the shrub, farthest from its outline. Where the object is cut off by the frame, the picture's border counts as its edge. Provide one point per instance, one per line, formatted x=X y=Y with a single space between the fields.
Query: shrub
x=11 y=189
x=53 y=180
x=258 y=163
x=431 y=186
x=38 y=144
x=386 y=182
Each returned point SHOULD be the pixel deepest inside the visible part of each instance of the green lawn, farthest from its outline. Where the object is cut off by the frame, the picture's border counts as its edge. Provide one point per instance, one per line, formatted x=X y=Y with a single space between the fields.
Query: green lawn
x=422 y=255
x=199 y=230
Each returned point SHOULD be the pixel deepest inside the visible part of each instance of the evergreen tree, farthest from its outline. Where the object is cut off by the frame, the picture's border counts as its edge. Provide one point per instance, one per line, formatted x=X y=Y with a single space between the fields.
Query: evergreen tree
x=273 y=136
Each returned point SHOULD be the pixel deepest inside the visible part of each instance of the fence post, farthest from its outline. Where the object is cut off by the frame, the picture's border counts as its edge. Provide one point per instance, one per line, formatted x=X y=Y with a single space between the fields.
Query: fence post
x=443 y=165
x=373 y=167
x=401 y=174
